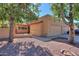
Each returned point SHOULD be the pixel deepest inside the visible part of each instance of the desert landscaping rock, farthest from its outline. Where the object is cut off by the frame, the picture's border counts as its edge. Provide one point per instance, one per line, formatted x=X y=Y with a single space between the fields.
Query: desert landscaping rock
x=36 y=47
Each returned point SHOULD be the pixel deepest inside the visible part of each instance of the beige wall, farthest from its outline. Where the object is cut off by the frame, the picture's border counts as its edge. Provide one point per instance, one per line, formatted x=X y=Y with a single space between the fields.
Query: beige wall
x=53 y=27
x=56 y=28
x=4 y=32
x=36 y=29
x=49 y=27
x=45 y=25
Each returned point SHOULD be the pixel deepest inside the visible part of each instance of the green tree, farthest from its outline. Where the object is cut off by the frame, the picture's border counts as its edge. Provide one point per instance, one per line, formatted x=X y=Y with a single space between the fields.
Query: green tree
x=18 y=13
x=68 y=11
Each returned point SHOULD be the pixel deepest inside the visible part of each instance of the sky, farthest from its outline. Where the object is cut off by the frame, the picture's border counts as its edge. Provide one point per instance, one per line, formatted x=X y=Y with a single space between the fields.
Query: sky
x=45 y=9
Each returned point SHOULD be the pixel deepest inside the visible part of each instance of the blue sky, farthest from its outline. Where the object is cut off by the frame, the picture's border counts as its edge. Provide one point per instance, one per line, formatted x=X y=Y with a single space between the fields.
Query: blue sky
x=45 y=9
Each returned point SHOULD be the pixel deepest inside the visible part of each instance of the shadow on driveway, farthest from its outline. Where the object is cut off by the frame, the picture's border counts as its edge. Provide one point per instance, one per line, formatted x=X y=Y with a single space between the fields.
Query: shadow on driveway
x=24 y=49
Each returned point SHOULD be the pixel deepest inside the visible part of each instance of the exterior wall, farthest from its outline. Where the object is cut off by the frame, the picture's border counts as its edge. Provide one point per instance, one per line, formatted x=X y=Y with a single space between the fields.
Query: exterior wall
x=53 y=26
x=45 y=25
x=36 y=29
x=4 y=32
x=65 y=27
x=54 y=30
x=19 y=30
x=50 y=26
x=57 y=28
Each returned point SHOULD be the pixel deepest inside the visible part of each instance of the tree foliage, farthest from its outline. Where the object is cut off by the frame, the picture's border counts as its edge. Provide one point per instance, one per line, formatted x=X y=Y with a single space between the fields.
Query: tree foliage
x=57 y=8
x=22 y=12
x=70 y=12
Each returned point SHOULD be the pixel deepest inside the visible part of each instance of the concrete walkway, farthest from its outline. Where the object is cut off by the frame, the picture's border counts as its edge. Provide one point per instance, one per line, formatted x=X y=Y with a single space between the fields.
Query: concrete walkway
x=62 y=36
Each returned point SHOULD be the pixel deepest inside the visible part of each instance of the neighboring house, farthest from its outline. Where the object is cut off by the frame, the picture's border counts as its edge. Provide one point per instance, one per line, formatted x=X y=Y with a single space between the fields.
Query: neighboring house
x=48 y=26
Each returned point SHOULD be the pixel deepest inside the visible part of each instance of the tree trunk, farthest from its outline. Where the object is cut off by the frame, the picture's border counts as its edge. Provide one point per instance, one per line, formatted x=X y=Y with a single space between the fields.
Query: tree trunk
x=11 y=29
x=71 y=26
x=2 y=23
x=71 y=33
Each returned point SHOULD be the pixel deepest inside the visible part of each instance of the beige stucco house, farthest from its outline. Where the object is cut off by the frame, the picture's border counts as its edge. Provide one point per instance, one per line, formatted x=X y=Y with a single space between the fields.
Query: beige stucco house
x=45 y=26
x=48 y=26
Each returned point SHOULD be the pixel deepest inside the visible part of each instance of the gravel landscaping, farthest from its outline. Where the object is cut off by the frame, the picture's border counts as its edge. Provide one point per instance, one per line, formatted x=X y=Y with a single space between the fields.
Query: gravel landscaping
x=36 y=47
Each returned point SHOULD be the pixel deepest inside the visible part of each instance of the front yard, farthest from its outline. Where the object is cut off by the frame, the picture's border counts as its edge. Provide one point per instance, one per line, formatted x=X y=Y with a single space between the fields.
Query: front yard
x=36 y=47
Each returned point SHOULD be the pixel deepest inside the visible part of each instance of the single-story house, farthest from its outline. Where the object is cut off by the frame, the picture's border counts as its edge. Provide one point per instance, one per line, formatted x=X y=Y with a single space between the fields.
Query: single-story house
x=47 y=26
